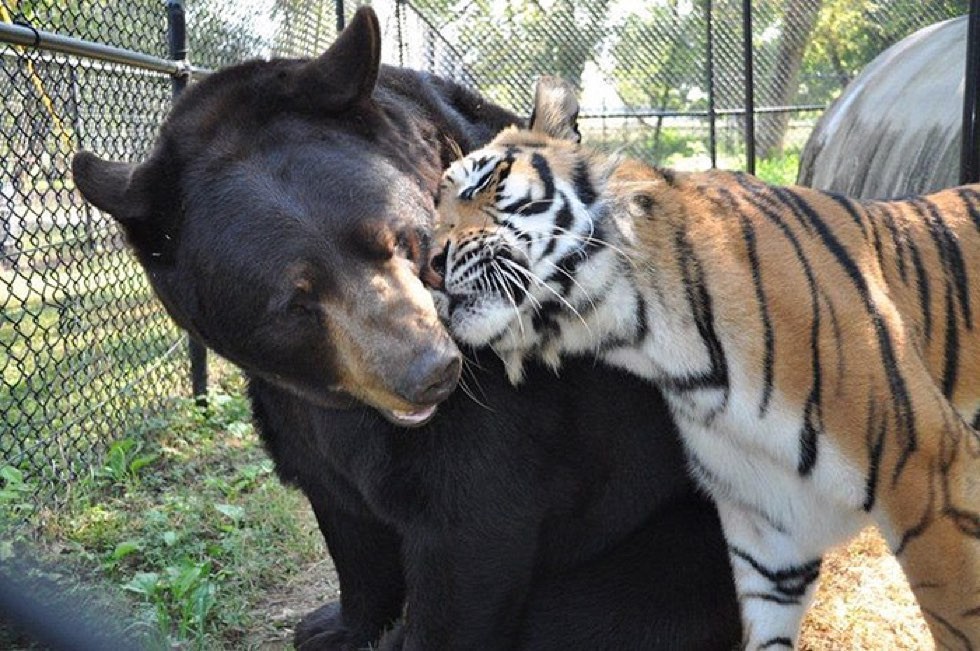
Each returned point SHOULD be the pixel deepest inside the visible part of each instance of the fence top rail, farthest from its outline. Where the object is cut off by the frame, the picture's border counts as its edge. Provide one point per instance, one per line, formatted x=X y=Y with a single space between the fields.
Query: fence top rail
x=648 y=113
x=25 y=36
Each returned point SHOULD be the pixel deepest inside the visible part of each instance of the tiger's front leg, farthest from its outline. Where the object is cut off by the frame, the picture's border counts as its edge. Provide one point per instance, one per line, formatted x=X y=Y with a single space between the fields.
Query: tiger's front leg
x=775 y=578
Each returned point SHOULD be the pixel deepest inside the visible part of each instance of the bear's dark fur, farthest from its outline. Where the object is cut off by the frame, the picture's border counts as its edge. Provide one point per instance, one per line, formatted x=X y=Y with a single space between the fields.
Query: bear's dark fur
x=282 y=197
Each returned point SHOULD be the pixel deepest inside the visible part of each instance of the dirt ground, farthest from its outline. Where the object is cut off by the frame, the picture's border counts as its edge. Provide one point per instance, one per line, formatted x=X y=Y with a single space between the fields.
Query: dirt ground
x=863 y=604
x=316 y=585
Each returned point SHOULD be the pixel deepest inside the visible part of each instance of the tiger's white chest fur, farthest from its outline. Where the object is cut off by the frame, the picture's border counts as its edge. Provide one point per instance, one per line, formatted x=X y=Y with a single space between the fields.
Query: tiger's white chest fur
x=736 y=453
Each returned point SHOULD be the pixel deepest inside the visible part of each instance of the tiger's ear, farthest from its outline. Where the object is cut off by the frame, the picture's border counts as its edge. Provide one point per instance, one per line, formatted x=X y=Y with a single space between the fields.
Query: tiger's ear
x=555 y=110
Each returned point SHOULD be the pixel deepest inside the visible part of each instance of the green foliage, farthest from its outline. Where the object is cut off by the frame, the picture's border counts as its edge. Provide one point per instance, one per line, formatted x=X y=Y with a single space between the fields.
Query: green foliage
x=124 y=462
x=780 y=169
x=15 y=493
x=182 y=598
x=659 y=60
x=850 y=33
x=507 y=44
x=186 y=517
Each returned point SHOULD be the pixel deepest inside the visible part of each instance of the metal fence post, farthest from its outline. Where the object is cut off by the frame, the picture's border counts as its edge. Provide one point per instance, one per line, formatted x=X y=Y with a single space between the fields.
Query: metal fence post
x=970 y=138
x=177 y=40
x=749 y=86
x=710 y=65
x=340 y=15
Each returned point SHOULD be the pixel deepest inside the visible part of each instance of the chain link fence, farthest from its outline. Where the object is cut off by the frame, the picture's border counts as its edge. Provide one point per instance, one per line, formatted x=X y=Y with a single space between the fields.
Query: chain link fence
x=665 y=79
x=86 y=353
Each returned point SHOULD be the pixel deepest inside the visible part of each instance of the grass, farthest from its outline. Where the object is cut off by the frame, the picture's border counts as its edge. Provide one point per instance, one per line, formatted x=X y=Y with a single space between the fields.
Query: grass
x=186 y=524
x=80 y=334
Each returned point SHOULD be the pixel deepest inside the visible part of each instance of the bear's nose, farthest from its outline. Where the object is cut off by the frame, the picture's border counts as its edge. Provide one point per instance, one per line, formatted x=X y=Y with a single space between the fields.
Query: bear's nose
x=433 y=376
x=434 y=274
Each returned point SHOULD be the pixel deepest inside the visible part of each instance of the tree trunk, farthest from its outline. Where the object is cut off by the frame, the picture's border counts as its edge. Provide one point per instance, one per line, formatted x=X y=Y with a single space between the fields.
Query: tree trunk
x=799 y=19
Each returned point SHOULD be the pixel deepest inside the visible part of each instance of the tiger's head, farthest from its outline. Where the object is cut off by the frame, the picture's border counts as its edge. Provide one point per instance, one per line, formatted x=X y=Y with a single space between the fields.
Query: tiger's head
x=527 y=238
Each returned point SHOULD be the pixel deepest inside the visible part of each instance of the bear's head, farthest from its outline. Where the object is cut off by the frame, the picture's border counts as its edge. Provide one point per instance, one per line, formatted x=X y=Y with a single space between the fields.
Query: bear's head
x=283 y=218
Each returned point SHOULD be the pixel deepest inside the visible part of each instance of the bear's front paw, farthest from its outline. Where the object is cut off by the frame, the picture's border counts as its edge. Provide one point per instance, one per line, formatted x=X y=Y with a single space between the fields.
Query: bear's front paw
x=393 y=640
x=324 y=630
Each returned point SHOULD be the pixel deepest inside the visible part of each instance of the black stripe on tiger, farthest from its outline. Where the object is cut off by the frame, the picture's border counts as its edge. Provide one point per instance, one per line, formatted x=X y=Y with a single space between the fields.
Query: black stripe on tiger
x=950 y=254
x=901 y=240
x=771 y=210
x=569 y=263
x=838 y=336
x=852 y=210
x=503 y=173
x=874 y=439
x=790 y=581
x=968 y=522
x=470 y=191
x=970 y=199
x=640 y=329
x=905 y=245
x=563 y=222
x=812 y=412
x=896 y=381
x=583 y=184
x=772 y=598
x=699 y=302
x=957 y=633
x=786 y=197
x=525 y=205
x=768 y=335
x=545 y=318
x=642 y=323
x=874 y=215
x=954 y=272
x=918 y=528
x=777 y=642
x=898 y=238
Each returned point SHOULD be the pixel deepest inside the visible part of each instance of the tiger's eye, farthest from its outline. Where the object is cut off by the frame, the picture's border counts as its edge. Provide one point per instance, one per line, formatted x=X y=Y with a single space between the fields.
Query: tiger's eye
x=641 y=205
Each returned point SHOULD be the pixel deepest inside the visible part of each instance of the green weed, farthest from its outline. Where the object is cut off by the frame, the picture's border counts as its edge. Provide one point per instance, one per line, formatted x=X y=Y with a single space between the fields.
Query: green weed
x=780 y=170
x=124 y=462
x=185 y=517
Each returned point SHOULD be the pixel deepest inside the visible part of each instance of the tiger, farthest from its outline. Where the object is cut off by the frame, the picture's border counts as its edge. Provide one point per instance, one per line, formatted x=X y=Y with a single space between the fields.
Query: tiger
x=820 y=355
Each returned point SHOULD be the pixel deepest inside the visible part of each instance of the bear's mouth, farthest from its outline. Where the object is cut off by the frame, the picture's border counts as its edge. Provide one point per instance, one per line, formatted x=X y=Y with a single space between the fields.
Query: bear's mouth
x=414 y=418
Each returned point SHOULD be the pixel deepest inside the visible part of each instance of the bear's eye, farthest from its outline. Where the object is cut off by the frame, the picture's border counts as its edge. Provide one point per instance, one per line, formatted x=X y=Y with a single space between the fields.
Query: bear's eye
x=411 y=244
x=375 y=241
x=301 y=300
x=304 y=304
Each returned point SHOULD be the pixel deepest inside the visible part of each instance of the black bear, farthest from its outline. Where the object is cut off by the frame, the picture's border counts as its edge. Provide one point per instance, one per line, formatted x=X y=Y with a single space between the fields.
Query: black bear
x=284 y=218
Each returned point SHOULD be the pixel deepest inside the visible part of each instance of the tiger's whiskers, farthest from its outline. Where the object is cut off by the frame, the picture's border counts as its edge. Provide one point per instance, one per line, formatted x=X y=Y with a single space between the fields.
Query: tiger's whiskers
x=537 y=279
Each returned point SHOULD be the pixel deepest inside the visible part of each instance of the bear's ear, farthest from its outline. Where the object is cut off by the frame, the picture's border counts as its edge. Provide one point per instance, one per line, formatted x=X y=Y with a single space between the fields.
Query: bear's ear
x=143 y=198
x=108 y=185
x=347 y=72
x=555 y=109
